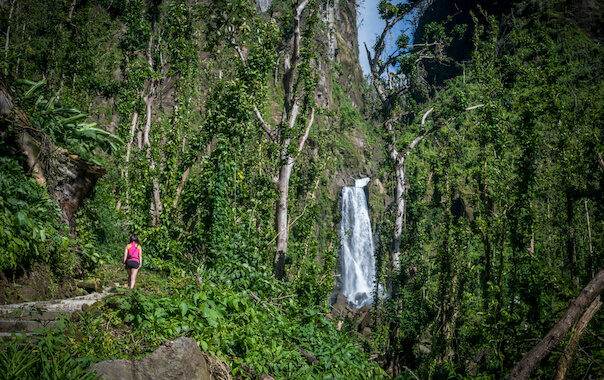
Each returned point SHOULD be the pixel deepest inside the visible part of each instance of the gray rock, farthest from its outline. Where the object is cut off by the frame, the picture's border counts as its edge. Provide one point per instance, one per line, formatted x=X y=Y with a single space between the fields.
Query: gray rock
x=339 y=311
x=341 y=300
x=179 y=359
x=365 y=322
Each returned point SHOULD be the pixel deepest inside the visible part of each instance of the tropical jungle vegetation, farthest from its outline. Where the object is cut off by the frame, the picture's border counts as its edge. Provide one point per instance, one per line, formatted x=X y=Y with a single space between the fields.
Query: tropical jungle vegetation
x=221 y=131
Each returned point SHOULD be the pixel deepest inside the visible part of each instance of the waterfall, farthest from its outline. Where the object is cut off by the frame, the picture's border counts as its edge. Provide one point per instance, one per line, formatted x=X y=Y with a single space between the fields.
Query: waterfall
x=357 y=262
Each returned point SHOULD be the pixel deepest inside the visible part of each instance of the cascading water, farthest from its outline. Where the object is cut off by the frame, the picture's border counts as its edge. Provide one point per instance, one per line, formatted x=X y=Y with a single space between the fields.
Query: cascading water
x=357 y=262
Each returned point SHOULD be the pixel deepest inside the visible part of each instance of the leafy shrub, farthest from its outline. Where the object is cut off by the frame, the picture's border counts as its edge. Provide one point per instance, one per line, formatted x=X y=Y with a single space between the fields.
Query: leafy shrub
x=66 y=125
x=29 y=231
x=51 y=358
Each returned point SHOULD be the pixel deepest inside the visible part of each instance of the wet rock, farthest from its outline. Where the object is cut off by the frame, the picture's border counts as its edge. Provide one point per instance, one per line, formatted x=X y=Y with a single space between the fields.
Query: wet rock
x=339 y=311
x=366 y=332
x=365 y=321
x=341 y=300
x=340 y=307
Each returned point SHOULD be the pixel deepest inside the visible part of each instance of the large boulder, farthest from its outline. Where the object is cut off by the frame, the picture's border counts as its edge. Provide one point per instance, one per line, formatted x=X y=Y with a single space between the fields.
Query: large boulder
x=178 y=359
x=340 y=307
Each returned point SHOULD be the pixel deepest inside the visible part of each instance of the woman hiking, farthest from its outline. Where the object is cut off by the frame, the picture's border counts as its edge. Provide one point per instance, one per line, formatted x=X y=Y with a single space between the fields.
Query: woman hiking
x=133 y=259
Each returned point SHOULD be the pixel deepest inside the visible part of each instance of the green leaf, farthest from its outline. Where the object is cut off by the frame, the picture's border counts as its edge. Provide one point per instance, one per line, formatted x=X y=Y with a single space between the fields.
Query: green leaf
x=34 y=88
x=73 y=119
x=50 y=104
x=21 y=218
x=203 y=345
x=66 y=110
x=184 y=308
x=25 y=82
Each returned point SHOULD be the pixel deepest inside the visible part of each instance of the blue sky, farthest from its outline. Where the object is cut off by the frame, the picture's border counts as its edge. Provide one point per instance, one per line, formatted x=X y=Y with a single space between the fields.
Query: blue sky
x=370 y=26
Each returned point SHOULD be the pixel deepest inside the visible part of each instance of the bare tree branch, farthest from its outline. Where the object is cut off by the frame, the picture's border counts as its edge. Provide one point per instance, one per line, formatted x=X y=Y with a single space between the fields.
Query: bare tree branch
x=381 y=43
x=571 y=347
x=267 y=128
x=426 y=115
x=302 y=6
x=307 y=131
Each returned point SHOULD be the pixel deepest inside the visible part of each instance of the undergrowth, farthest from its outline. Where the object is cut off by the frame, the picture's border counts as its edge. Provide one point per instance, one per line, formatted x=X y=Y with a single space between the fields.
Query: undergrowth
x=264 y=334
x=53 y=357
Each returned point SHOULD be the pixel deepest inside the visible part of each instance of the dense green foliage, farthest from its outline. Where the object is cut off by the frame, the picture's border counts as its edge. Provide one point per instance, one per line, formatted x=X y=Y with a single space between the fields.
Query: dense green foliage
x=51 y=358
x=504 y=207
x=29 y=230
x=194 y=176
x=264 y=336
x=504 y=203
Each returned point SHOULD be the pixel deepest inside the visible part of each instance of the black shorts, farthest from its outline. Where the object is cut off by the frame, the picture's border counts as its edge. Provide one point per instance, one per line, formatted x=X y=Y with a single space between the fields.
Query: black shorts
x=131 y=264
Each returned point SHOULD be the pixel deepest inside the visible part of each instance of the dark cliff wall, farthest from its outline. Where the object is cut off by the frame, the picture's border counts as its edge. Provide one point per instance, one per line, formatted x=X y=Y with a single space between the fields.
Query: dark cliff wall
x=584 y=13
x=460 y=50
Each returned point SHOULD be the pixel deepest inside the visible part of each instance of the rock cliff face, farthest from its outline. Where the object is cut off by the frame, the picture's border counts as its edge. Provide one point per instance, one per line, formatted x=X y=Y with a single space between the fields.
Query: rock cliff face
x=346 y=51
x=361 y=152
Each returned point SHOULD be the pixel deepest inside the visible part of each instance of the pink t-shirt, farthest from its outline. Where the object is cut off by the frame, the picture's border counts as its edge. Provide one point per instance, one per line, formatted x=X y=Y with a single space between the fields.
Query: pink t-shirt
x=134 y=252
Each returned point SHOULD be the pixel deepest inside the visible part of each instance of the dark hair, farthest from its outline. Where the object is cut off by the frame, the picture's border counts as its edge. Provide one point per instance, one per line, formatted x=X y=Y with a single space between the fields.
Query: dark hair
x=134 y=239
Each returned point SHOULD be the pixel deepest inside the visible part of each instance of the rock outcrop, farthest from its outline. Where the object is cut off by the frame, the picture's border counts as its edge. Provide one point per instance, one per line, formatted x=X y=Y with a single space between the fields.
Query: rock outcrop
x=178 y=359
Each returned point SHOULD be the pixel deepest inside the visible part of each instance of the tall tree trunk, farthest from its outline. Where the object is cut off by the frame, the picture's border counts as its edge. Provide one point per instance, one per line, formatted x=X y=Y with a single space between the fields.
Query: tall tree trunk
x=71 y=9
x=400 y=213
x=590 y=260
x=529 y=361
x=401 y=186
x=399 y=159
x=291 y=110
x=281 y=219
x=128 y=153
x=10 y=16
x=156 y=205
x=571 y=252
x=486 y=276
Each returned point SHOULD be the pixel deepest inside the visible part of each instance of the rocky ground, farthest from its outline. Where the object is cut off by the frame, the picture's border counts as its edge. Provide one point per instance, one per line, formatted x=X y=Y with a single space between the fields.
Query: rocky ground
x=27 y=317
x=38 y=284
x=35 y=298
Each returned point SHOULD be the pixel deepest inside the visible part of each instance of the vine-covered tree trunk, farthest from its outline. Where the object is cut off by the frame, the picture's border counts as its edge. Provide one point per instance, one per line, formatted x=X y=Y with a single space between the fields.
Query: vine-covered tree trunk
x=281 y=138
x=571 y=251
x=281 y=218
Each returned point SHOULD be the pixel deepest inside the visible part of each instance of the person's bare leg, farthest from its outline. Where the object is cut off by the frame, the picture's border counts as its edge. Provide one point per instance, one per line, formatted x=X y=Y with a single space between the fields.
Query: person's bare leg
x=132 y=279
x=129 y=271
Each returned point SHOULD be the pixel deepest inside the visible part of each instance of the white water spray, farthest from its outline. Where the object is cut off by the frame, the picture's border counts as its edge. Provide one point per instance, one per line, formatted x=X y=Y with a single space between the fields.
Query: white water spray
x=357 y=261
